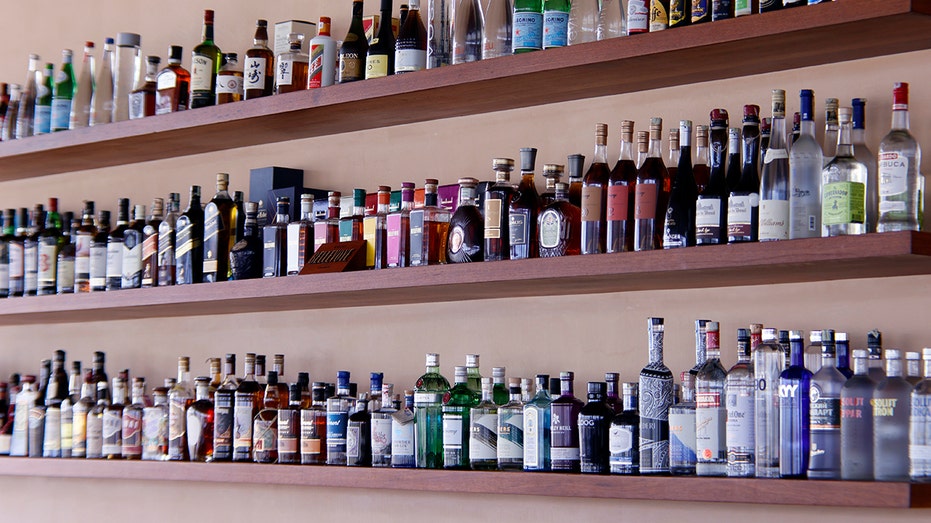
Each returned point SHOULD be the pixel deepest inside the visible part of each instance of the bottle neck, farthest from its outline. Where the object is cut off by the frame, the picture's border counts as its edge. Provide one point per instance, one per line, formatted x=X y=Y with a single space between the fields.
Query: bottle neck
x=807 y=128
x=797 y=353
x=743 y=351
x=900 y=120
x=565 y=387
x=466 y=196
x=601 y=151
x=656 y=146
x=630 y=401
x=894 y=368
x=927 y=366
x=778 y=132
x=208 y=32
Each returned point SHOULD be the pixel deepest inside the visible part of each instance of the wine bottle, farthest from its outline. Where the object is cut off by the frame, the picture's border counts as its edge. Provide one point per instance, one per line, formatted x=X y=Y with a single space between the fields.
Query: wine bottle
x=354 y=48
x=618 y=220
x=743 y=203
x=679 y=227
x=379 y=59
x=411 y=45
x=711 y=205
x=774 y=180
x=652 y=194
x=733 y=158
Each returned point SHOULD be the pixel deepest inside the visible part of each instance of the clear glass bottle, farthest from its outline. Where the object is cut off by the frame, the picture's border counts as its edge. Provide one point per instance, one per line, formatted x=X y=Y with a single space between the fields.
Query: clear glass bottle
x=466 y=240
x=466 y=34
x=94 y=423
x=794 y=408
x=403 y=430
x=865 y=156
x=527 y=26
x=738 y=390
x=564 y=427
x=127 y=65
x=768 y=360
x=594 y=430
x=358 y=433
x=583 y=21
x=700 y=169
x=913 y=367
x=710 y=410
x=612 y=21
x=382 y=415
x=856 y=422
x=25 y=118
x=805 y=164
x=825 y=415
x=623 y=440
x=899 y=165
x=112 y=444
x=8 y=129
x=844 y=187
x=429 y=397
x=180 y=398
x=292 y=67
x=200 y=422
x=337 y=408
x=155 y=427
x=874 y=343
x=919 y=438
x=483 y=430
x=496 y=31
x=774 y=177
x=651 y=196
x=143 y=98
x=682 y=450
x=536 y=428
x=890 y=403
x=656 y=396
x=595 y=196
x=831 y=129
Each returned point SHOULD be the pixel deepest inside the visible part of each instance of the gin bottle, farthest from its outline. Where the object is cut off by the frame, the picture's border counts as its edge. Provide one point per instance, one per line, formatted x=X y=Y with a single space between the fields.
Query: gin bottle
x=624 y=436
x=774 y=180
x=457 y=403
x=738 y=393
x=794 y=409
x=710 y=410
x=865 y=156
x=919 y=439
x=403 y=448
x=594 y=429
x=655 y=399
x=564 y=426
x=382 y=415
x=899 y=164
x=483 y=430
x=844 y=186
x=536 y=427
x=429 y=394
x=856 y=422
x=337 y=409
x=358 y=434
x=682 y=426
x=768 y=363
x=890 y=422
x=826 y=385
x=500 y=392
x=511 y=431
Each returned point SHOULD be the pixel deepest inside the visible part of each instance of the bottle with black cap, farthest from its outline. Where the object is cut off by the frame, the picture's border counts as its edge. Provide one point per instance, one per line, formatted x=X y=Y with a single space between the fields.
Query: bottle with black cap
x=594 y=427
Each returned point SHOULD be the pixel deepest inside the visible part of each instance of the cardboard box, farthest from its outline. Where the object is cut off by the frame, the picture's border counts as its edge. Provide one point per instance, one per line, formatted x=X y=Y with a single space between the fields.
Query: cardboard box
x=283 y=29
x=370 y=26
x=267 y=184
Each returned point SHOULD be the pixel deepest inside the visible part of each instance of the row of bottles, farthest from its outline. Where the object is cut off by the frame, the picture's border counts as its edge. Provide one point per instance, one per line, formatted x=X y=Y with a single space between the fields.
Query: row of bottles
x=777 y=412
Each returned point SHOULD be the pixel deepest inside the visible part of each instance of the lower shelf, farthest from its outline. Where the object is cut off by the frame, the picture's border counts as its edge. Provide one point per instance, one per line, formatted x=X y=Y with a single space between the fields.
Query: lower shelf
x=694 y=489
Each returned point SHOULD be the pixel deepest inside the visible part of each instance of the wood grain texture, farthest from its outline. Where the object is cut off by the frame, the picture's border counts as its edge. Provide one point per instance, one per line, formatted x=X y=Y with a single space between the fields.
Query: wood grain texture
x=692 y=489
x=816 y=259
x=819 y=34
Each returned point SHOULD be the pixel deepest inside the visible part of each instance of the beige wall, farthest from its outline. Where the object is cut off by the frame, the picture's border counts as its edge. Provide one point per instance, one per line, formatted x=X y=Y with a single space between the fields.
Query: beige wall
x=588 y=334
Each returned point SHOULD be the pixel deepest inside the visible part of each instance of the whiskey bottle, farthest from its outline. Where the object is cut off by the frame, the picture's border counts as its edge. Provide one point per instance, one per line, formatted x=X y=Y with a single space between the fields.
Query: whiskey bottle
x=133 y=238
x=595 y=196
x=619 y=230
x=354 y=48
x=337 y=408
x=710 y=409
x=15 y=245
x=323 y=60
x=200 y=422
x=150 y=267
x=743 y=203
x=457 y=403
x=574 y=164
x=115 y=247
x=350 y=227
x=172 y=84
x=189 y=236
x=259 y=66
x=289 y=427
x=524 y=210
x=179 y=399
x=219 y=232
x=247 y=402
x=711 y=205
x=300 y=236
x=64 y=280
x=229 y=80
x=67 y=410
x=166 y=242
x=679 y=226
x=623 y=439
x=155 y=427
x=594 y=429
x=223 y=400
x=655 y=395
x=63 y=93
x=498 y=199
x=50 y=242
x=205 y=64
x=429 y=229
x=275 y=242
x=314 y=428
x=240 y=215
x=98 y=253
x=560 y=226
x=398 y=224
x=483 y=430
x=5 y=239
x=31 y=250
x=79 y=414
x=132 y=422
x=564 y=427
x=327 y=230
x=375 y=231
x=379 y=59
x=774 y=177
x=552 y=173
x=94 y=439
x=112 y=446
x=246 y=255
x=142 y=99
x=651 y=194
x=466 y=242
x=411 y=45
x=292 y=67
x=682 y=426
x=429 y=396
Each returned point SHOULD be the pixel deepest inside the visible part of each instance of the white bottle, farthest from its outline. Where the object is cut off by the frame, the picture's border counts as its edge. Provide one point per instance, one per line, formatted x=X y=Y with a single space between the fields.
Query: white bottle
x=322 y=70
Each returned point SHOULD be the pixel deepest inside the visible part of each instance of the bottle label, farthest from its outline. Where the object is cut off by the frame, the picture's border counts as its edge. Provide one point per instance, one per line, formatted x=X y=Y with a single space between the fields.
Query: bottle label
x=132 y=432
x=253 y=72
x=223 y=423
x=350 y=67
x=78 y=433
x=527 y=31
x=427 y=399
x=48 y=264
x=336 y=423
x=154 y=433
x=61 y=113
x=43 y=119
x=707 y=218
x=518 y=229
x=774 y=220
x=645 y=201
x=132 y=259
x=201 y=73
x=532 y=421
x=376 y=66
x=354 y=442
x=659 y=17
x=638 y=16
x=564 y=454
x=742 y=7
x=710 y=427
x=98 y=263
x=4 y=278
x=893 y=173
x=369 y=234
x=315 y=75
x=311 y=439
x=620 y=439
x=511 y=436
x=294 y=242
x=112 y=432
x=393 y=224
x=51 y=444
x=555 y=29
x=166 y=79
x=264 y=435
x=242 y=423
x=229 y=84
x=149 y=256
x=288 y=434
x=843 y=202
x=283 y=72
x=65 y=273
x=682 y=438
x=483 y=437
x=825 y=412
x=740 y=214
x=381 y=436
x=550 y=229
x=452 y=436
x=884 y=407
x=185 y=240
x=402 y=438
x=618 y=202
x=492 y=218
x=16 y=260
x=409 y=60
x=699 y=10
x=82 y=256
x=740 y=423
x=115 y=259
x=775 y=154
x=31 y=265
x=677 y=12
x=591 y=203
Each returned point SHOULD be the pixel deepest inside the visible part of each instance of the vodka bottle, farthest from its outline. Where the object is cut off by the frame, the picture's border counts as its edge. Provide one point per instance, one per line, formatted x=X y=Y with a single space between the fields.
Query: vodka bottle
x=655 y=400
x=856 y=422
x=738 y=393
x=812 y=359
x=913 y=367
x=768 y=363
x=844 y=181
x=710 y=411
x=794 y=403
x=890 y=422
x=874 y=343
x=899 y=162
x=865 y=156
x=826 y=385
x=831 y=129
x=805 y=163
x=774 y=180
x=919 y=438
x=682 y=450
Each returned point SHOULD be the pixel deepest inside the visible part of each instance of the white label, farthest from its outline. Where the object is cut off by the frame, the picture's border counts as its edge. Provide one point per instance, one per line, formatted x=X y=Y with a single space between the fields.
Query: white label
x=5 y=276
x=919 y=452
x=131 y=263
x=452 y=431
x=294 y=240
x=31 y=263
x=98 y=264
x=82 y=254
x=283 y=72
x=254 y=73
x=483 y=437
x=166 y=79
x=408 y=60
x=201 y=73
x=775 y=154
x=381 y=436
x=638 y=16
x=16 y=260
x=51 y=445
x=893 y=174
x=564 y=453
x=774 y=220
x=229 y=84
x=740 y=419
x=48 y=263
x=115 y=259
x=402 y=439
x=531 y=433
x=510 y=444
x=65 y=274
x=620 y=439
x=739 y=208
x=707 y=213
x=427 y=399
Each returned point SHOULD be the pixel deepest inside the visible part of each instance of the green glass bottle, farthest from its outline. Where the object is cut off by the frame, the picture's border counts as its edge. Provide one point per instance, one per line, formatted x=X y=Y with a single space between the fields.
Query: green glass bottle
x=527 y=26
x=456 y=405
x=499 y=392
x=63 y=93
x=50 y=243
x=429 y=393
x=43 y=118
x=205 y=65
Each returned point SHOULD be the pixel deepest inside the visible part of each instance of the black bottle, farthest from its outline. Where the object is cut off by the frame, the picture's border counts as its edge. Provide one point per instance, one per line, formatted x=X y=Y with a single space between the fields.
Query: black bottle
x=246 y=254
x=594 y=427
x=679 y=228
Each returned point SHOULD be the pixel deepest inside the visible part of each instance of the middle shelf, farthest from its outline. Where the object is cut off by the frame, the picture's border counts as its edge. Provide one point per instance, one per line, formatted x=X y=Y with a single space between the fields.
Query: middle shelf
x=816 y=259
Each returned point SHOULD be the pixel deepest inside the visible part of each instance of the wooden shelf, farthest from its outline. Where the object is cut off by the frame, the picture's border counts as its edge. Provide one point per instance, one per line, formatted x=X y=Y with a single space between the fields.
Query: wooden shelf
x=816 y=259
x=694 y=489
x=788 y=39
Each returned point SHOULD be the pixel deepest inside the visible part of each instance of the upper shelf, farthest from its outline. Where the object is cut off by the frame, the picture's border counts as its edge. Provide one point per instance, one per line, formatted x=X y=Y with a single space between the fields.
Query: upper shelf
x=813 y=35
x=816 y=259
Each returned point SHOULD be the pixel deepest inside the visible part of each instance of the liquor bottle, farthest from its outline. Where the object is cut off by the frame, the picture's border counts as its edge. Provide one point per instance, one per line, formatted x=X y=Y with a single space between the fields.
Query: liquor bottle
x=57 y=391
x=115 y=242
x=796 y=130
x=10 y=114
x=79 y=116
x=620 y=199
x=398 y=225
x=142 y=99
x=189 y=238
x=682 y=426
x=205 y=65
x=844 y=187
x=350 y=226
x=638 y=16
x=98 y=253
x=680 y=13
x=920 y=425
x=594 y=424
x=49 y=242
x=167 y=240
x=327 y=230
x=67 y=410
x=172 y=84
x=219 y=232
x=239 y=216
x=794 y=406
x=774 y=180
x=842 y=348
x=31 y=250
x=595 y=196
x=865 y=156
x=524 y=210
x=466 y=35
x=739 y=389
x=583 y=21
x=79 y=414
x=25 y=118
x=831 y=128
x=382 y=413
x=337 y=420
x=64 y=279
x=574 y=164
x=700 y=170
x=200 y=422
x=247 y=401
x=466 y=240
x=733 y=159
x=63 y=93
x=289 y=427
x=112 y=442
x=710 y=411
x=483 y=430
x=679 y=226
x=655 y=393
x=403 y=428
x=275 y=239
x=510 y=432
x=527 y=26
x=150 y=229
x=45 y=88
x=353 y=50
x=457 y=403
x=101 y=111
x=722 y=9
x=812 y=360
x=701 y=11
x=411 y=45
x=651 y=196
x=131 y=257
x=300 y=236
x=659 y=15
x=826 y=385
x=155 y=427
x=5 y=240
x=379 y=58
x=770 y=5
x=874 y=342
x=768 y=360
x=127 y=66
x=265 y=424
x=292 y=67
x=899 y=185
x=131 y=432
x=259 y=65
x=560 y=226
x=890 y=403
x=552 y=173
x=474 y=375
x=536 y=428
x=805 y=163
x=229 y=80
x=358 y=434
x=375 y=231
x=179 y=399
x=744 y=198
x=314 y=428
x=623 y=439
x=913 y=367
x=14 y=242
x=711 y=205
x=246 y=256
x=224 y=402
x=498 y=198
x=564 y=427
x=500 y=393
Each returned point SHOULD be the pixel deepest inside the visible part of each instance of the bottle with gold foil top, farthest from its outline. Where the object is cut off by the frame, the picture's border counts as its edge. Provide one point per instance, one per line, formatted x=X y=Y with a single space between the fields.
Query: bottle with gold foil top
x=172 y=84
x=595 y=196
x=498 y=199
x=379 y=60
x=219 y=232
x=322 y=57
x=354 y=48
x=651 y=194
x=375 y=231
x=189 y=239
x=680 y=13
x=259 y=65
x=659 y=15
x=150 y=244
x=327 y=230
x=551 y=177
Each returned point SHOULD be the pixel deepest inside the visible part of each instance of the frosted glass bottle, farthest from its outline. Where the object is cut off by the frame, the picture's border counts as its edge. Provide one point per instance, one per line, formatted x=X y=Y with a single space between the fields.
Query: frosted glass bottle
x=496 y=31
x=583 y=21
x=612 y=20
x=890 y=422
x=805 y=164
x=768 y=363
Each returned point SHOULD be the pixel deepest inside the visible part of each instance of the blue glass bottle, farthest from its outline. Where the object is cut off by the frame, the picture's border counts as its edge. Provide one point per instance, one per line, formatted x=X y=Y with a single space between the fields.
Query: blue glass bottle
x=794 y=401
x=826 y=385
x=537 y=427
x=842 y=348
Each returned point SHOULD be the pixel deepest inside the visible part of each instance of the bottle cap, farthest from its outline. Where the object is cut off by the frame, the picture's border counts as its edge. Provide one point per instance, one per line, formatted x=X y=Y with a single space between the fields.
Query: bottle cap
x=562 y=187
x=498 y=372
x=893 y=354
x=840 y=337
x=251 y=207
x=601 y=129
x=796 y=335
x=752 y=112
x=294 y=392
x=107 y=41
x=460 y=373
x=627 y=127
x=554 y=386
x=900 y=97
x=528 y=158
x=765 y=125
x=261 y=23
x=271 y=378
x=472 y=360
x=597 y=387
x=860 y=353
x=743 y=335
x=358 y=197
x=845 y=114
x=506 y=164
x=552 y=170
x=433 y=359
x=912 y=355
x=129 y=39
x=719 y=118
x=813 y=336
x=830 y=110
x=630 y=388
x=153 y=60
x=612 y=376
x=859 y=112
x=925 y=353
x=827 y=336
x=566 y=375
x=807 y=97
x=342 y=377
x=574 y=163
x=208 y=16
x=655 y=321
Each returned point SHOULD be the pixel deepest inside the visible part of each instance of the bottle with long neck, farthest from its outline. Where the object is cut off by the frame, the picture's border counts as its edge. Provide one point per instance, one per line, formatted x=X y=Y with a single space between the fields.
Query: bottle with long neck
x=101 y=111
x=224 y=402
x=132 y=250
x=890 y=403
x=467 y=28
x=574 y=164
x=920 y=425
x=733 y=158
x=536 y=427
x=338 y=408
x=483 y=430
x=428 y=402
x=50 y=243
x=205 y=65
x=132 y=421
x=524 y=210
x=380 y=55
x=899 y=164
x=655 y=399
x=844 y=187
x=711 y=205
x=595 y=196
x=180 y=398
x=150 y=244
x=98 y=253
x=825 y=417
x=496 y=29
x=831 y=129
x=219 y=232
x=794 y=408
x=679 y=227
x=651 y=194
x=700 y=170
x=25 y=117
x=247 y=401
x=672 y=159
x=259 y=65
x=115 y=247
x=805 y=164
x=864 y=155
x=44 y=90
x=738 y=388
x=768 y=360
x=8 y=128
x=682 y=427
x=63 y=94
x=189 y=259
x=710 y=411
x=246 y=255
x=353 y=50
x=411 y=45
x=774 y=180
x=621 y=183
x=743 y=203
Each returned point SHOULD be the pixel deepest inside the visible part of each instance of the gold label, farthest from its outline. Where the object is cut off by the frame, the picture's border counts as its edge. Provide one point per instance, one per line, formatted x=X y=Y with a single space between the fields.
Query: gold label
x=492 y=218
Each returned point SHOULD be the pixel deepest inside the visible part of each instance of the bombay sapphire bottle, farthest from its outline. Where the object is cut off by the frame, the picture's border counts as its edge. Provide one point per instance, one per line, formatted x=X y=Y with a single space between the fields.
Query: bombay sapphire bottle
x=794 y=398
x=826 y=384
x=594 y=427
x=890 y=422
x=856 y=422
x=682 y=430
x=655 y=399
x=920 y=426
x=738 y=393
x=623 y=440
x=564 y=427
x=768 y=363
x=537 y=427
x=403 y=448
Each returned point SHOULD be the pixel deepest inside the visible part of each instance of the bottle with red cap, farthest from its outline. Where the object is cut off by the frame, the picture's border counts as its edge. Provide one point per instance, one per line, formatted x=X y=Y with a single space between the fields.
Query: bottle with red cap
x=711 y=204
x=900 y=183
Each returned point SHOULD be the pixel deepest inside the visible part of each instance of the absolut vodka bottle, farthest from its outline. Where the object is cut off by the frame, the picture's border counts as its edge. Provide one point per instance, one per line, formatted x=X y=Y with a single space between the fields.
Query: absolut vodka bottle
x=826 y=385
x=794 y=403
x=710 y=411
x=655 y=399
x=768 y=364
x=738 y=392
x=890 y=422
x=856 y=422
x=919 y=438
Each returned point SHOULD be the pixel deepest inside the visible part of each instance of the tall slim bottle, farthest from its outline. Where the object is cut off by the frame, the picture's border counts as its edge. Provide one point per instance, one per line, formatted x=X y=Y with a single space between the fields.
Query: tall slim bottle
x=794 y=408
x=899 y=163
x=246 y=404
x=864 y=155
x=711 y=205
x=483 y=430
x=496 y=30
x=743 y=203
x=679 y=227
x=150 y=231
x=774 y=180
x=457 y=404
x=768 y=363
x=44 y=90
x=595 y=196
x=919 y=439
x=739 y=387
x=189 y=236
x=825 y=459
x=115 y=246
x=379 y=60
x=224 y=401
x=127 y=66
x=651 y=194
x=733 y=158
x=524 y=210
x=527 y=26
x=890 y=402
x=167 y=234
x=219 y=232
x=338 y=420
x=353 y=50
x=98 y=253
x=682 y=429
x=466 y=35
x=429 y=394
x=205 y=65
x=583 y=21
x=564 y=427
x=63 y=95
x=537 y=427
x=621 y=183
x=131 y=271
x=25 y=117
x=180 y=398
x=805 y=164
x=655 y=399
x=102 y=99
x=710 y=409
x=50 y=243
